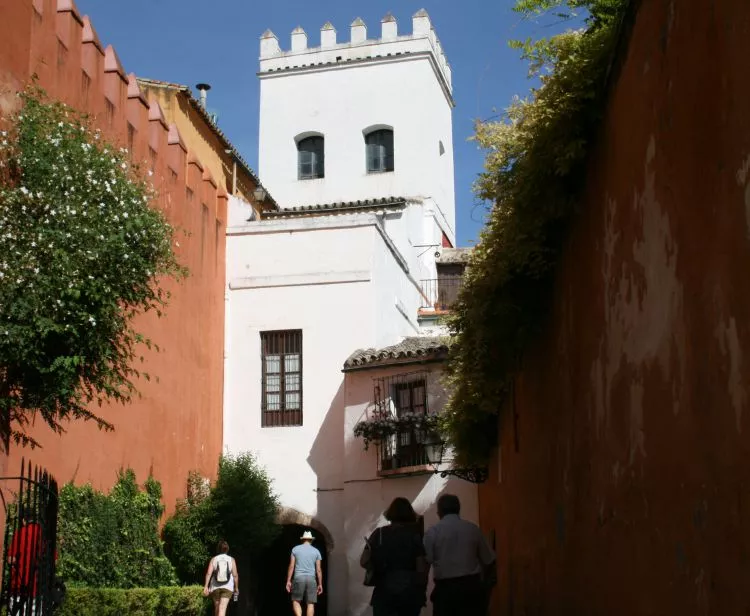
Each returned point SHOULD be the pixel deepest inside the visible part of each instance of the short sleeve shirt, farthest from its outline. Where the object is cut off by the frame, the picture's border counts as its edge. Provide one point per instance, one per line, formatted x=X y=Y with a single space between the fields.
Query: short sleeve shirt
x=456 y=548
x=305 y=557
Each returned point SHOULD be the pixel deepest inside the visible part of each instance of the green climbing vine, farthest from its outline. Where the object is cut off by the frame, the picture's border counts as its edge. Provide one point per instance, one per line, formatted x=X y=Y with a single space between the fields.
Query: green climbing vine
x=534 y=172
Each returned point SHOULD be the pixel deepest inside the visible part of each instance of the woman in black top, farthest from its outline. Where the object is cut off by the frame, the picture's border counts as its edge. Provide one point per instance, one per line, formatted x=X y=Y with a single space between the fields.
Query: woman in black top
x=396 y=555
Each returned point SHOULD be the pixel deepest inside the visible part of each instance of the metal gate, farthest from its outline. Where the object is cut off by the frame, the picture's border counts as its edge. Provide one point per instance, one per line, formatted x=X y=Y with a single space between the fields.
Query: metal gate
x=28 y=574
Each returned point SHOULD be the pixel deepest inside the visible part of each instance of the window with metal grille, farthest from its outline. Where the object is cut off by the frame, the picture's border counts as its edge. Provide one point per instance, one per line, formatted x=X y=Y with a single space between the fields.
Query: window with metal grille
x=379 y=147
x=281 y=354
x=311 y=158
x=407 y=394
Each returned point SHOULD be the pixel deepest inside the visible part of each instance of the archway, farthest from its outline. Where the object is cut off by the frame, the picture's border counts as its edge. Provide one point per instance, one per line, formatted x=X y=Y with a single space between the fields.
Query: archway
x=273 y=599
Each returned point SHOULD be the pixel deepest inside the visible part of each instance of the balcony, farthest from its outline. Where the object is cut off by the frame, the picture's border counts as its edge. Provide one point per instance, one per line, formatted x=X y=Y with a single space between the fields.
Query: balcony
x=405 y=453
x=440 y=294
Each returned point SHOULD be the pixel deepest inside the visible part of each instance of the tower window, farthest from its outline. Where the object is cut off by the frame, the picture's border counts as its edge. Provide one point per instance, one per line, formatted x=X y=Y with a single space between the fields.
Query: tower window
x=441 y=148
x=310 y=158
x=379 y=145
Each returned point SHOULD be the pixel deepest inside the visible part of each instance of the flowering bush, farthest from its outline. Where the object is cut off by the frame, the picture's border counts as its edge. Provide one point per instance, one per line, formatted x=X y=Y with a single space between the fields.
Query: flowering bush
x=383 y=425
x=81 y=253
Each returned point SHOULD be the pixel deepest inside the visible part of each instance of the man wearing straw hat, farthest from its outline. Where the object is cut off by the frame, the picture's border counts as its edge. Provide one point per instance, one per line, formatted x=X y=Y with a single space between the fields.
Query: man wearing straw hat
x=304 y=578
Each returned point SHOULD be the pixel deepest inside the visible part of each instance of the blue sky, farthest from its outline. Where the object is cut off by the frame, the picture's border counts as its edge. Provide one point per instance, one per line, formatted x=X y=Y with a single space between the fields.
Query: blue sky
x=190 y=41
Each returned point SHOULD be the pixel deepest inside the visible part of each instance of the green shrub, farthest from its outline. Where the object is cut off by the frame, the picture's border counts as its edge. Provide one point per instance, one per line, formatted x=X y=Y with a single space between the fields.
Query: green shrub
x=112 y=540
x=164 y=601
x=241 y=508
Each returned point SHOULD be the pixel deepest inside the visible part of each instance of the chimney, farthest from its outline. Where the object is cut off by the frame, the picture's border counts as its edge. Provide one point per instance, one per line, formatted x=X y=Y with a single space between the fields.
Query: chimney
x=389 y=27
x=203 y=88
x=327 y=35
x=359 y=31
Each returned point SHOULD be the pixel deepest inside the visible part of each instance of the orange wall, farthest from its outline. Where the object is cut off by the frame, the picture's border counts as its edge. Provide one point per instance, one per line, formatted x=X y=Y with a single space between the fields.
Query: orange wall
x=625 y=454
x=176 y=426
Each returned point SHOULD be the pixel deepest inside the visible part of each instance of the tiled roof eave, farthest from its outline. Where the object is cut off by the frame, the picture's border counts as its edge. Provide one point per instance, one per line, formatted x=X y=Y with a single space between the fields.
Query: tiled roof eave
x=389 y=362
x=336 y=208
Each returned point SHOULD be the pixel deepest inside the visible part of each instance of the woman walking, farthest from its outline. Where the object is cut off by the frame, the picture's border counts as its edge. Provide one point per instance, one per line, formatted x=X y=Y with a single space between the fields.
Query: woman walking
x=395 y=555
x=222 y=579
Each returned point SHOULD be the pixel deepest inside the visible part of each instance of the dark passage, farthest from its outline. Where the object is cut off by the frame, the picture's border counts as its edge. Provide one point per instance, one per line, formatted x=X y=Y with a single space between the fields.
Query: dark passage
x=273 y=599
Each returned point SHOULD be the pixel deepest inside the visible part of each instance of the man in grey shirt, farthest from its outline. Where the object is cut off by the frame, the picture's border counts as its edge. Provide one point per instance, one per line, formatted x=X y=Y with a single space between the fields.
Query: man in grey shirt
x=463 y=564
x=304 y=569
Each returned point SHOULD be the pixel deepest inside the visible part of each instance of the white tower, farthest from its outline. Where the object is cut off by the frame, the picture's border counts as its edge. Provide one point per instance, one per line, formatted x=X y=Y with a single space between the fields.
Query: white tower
x=329 y=116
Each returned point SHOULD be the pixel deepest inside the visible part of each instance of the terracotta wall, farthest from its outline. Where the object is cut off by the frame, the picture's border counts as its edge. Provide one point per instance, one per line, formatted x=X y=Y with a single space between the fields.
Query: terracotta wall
x=176 y=425
x=623 y=480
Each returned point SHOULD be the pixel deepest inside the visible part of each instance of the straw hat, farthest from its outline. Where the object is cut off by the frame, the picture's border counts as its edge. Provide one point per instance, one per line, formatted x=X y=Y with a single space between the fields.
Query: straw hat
x=307 y=535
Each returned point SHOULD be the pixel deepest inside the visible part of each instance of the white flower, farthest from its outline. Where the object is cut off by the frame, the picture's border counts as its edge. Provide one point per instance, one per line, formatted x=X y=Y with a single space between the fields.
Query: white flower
x=24 y=190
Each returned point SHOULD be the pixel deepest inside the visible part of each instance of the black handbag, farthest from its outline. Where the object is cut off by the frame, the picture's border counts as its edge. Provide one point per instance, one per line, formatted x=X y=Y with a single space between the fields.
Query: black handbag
x=370 y=561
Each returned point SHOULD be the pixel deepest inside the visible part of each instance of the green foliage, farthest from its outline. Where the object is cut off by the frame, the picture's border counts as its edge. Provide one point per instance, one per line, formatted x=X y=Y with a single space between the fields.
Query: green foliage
x=240 y=508
x=164 y=601
x=190 y=535
x=380 y=427
x=112 y=540
x=82 y=254
x=534 y=172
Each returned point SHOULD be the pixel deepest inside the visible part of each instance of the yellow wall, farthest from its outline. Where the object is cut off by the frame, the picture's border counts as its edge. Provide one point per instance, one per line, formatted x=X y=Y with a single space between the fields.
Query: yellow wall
x=200 y=139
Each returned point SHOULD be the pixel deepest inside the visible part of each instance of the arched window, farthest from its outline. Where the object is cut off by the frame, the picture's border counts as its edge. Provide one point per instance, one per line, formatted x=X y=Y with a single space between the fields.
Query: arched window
x=379 y=145
x=310 y=158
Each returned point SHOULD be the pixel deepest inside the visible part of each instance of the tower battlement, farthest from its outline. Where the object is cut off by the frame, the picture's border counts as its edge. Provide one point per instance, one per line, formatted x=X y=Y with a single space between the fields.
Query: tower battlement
x=421 y=41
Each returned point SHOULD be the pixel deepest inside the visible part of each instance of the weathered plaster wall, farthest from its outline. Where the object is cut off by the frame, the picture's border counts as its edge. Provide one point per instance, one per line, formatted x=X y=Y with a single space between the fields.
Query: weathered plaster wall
x=176 y=425
x=621 y=484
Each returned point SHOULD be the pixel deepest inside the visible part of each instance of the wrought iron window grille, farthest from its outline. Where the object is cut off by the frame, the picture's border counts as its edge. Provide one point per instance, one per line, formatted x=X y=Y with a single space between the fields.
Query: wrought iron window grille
x=422 y=448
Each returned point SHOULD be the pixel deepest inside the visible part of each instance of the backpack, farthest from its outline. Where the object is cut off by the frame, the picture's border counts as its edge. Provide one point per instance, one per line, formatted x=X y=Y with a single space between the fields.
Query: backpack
x=222 y=570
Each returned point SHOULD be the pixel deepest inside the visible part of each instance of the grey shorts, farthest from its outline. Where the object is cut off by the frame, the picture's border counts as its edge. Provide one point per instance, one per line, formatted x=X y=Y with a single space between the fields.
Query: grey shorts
x=305 y=589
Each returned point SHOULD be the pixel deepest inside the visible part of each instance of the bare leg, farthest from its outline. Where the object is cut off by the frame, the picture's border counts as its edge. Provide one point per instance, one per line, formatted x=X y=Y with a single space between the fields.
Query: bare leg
x=310 y=609
x=297 y=607
x=215 y=599
x=222 y=605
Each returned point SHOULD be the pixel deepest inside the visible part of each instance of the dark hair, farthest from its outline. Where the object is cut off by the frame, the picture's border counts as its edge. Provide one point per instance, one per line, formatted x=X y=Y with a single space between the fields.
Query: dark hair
x=448 y=504
x=400 y=511
x=222 y=547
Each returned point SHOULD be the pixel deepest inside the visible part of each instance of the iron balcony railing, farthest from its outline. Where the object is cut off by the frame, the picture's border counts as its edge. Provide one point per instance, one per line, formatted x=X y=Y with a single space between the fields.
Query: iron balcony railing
x=440 y=294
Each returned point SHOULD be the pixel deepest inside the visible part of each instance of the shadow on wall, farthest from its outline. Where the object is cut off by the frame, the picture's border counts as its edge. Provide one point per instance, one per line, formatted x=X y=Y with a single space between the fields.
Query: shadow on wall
x=325 y=459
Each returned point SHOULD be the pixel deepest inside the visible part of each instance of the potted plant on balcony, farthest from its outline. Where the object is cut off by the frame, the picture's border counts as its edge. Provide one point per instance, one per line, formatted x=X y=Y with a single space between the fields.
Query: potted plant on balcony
x=377 y=428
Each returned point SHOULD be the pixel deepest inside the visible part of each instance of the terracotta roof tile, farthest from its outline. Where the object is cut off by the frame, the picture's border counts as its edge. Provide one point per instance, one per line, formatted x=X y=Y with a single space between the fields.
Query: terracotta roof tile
x=410 y=350
x=334 y=208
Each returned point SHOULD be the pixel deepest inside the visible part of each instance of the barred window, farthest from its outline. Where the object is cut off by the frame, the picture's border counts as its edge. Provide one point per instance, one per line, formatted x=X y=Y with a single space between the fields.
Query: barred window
x=281 y=354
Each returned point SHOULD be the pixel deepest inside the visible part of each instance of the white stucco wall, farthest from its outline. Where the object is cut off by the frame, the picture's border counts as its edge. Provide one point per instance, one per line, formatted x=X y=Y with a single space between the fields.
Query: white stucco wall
x=337 y=279
x=366 y=496
x=340 y=102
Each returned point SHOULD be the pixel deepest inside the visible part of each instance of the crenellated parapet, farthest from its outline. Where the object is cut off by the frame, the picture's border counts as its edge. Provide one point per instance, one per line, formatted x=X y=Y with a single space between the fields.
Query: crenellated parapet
x=73 y=65
x=359 y=48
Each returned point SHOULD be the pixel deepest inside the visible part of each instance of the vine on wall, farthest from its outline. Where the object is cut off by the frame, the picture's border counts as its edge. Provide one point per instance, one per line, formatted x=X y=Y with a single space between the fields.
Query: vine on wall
x=534 y=171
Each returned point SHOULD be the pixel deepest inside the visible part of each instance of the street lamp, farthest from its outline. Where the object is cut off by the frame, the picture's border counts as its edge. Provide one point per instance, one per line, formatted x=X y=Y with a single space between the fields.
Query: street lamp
x=260 y=194
x=434 y=447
